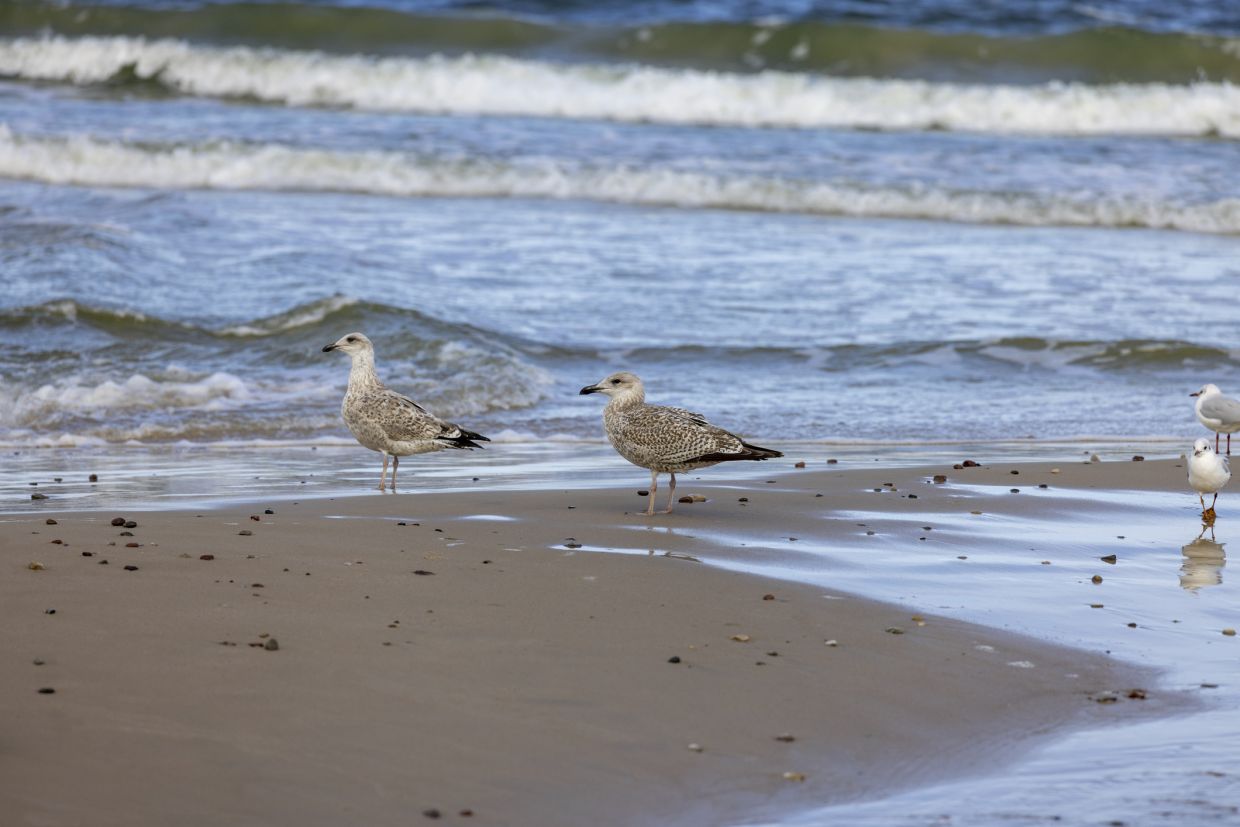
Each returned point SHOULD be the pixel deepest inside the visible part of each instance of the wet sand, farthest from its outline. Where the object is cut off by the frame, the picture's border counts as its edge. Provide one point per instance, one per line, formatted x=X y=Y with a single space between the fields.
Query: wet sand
x=474 y=660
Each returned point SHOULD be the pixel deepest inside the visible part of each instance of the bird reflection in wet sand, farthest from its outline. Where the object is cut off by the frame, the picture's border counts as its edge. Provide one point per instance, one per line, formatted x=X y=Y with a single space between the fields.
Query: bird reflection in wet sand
x=1203 y=561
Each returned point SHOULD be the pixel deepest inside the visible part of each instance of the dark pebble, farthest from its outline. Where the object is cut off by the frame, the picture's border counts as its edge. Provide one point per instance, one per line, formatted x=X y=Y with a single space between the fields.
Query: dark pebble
x=58 y=542
x=271 y=645
x=1043 y=485
x=742 y=499
x=125 y=534
x=1138 y=458
x=466 y=813
x=131 y=524
x=46 y=690
x=912 y=496
x=968 y=463
x=674 y=659
x=940 y=478
x=103 y=562
x=1015 y=490
x=49 y=611
x=118 y=521
x=88 y=554
x=38 y=496
x=402 y=523
x=431 y=813
x=577 y=545
x=685 y=500
x=38 y=661
x=832 y=461
x=206 y=557
x=93 y=478
x=799 y=465
x=255 y=518
x=643 y=493
x=245 y=532
x=957 y=467
x=132 y=545
x=817 y=495
x=1110 y=558
x=50 y=521
x=268 y=511
x=422 y=571
x=131 y=568
x=1013 y=472
x=787 y=739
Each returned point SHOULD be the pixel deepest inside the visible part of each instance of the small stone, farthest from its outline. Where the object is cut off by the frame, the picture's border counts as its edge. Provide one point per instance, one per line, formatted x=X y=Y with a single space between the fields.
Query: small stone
x=940 y=478
x=431 y=813
x=912 y=496
x=643 y=493
x=575 y=544
x=58 y=542
x=794 y=776
x=674 y=659
x=268 y=511
x=799 y=465
x=125 y=534
x=742 y=499
x=1138 y=458
x=832 y=643
x=1095 y=605
x=832 y=461
x=698 y=498
x=1230 y=632
x=695 y=747
x=746 y=638
x=255 y=518
x=38 y=661
x=88 y=554
x=49 y=611
x=50 y=521
x=46 y=690
x=1109 y=558
x=968 y=463
x=1054 y=470
x=271 y=645
x=466 y=813
x=131 y=568
x=1132 y=625
x=57 y=479
x=37 y=496
x=1096 y=579
x=33 y=566
x=118 y=521
x=422 y=571
x=132 y=545
x=785 y=738
x=1136 y=694
x=1013 y=471
x=206 y=557
x=1015 y=490
x=1043 y=485
x=685 y=499
x=93 y=478
x=894 y=630
x=768 y=597
x=131 y=524
x=245 y=532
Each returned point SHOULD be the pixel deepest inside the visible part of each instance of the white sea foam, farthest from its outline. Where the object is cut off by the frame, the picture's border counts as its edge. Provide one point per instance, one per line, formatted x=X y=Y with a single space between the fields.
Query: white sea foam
x=495 y=85
x=215 y=392
x=83 y=160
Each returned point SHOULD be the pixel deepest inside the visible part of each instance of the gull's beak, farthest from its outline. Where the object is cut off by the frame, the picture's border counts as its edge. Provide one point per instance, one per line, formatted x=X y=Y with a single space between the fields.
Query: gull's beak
x=329 y=348
x=589 y=389
x=1198 y=393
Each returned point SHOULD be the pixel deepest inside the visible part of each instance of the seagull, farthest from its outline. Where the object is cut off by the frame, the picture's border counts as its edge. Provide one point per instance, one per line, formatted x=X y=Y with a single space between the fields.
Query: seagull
x=665 y=440
x=1207 y=473
x=385 y=421
x=1219 y=413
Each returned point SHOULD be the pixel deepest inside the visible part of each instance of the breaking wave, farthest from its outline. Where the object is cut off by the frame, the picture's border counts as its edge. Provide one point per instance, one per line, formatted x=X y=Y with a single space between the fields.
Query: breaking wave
x=87 y=161
x=500 y=85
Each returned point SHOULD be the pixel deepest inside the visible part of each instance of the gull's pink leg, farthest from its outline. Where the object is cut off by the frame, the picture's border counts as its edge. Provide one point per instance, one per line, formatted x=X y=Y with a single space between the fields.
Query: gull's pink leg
x=395 y=465
x=671 y=497
x=383 y=476
x=654 y=486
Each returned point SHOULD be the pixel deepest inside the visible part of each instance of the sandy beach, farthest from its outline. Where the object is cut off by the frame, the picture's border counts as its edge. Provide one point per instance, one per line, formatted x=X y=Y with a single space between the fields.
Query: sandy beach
x=481 y=657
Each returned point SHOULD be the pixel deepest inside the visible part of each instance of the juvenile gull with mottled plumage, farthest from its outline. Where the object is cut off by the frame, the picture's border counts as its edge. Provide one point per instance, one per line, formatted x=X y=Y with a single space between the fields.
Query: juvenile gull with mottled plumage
x=385 y=421
x=665 y=440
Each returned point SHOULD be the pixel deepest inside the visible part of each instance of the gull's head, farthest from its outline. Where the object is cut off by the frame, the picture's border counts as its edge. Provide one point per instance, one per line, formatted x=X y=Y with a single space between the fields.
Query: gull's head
x=618 y=384
x=1207 y=390
x=352 y=344
x=1202 y=446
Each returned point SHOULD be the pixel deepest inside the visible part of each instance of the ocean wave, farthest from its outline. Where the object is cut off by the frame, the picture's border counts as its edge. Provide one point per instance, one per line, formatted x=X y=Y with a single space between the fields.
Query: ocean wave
x=497 y=85
x=87 y=161
x=944 y=40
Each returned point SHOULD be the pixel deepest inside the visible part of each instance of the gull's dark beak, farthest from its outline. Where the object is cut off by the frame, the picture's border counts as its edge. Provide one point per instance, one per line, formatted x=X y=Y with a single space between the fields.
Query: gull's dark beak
x=329 y=348
x=1198 y=393
x=589 y=389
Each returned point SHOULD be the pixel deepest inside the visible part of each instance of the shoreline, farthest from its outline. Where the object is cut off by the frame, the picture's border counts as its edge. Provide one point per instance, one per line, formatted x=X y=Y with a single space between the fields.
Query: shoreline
x=525 y=680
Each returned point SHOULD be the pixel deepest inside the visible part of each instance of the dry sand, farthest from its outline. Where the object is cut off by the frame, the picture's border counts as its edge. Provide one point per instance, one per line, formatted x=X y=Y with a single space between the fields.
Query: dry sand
x=434 y=661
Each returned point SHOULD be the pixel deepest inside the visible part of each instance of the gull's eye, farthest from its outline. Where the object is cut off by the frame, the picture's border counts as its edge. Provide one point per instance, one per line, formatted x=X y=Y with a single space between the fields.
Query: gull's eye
x=615 y=381
x=350 y=339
